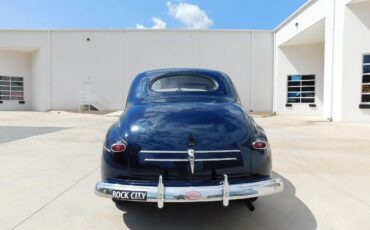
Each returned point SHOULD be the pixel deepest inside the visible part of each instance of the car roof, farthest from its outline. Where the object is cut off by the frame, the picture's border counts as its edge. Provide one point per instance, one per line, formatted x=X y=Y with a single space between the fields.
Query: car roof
x=139 y=90
x=169 y=71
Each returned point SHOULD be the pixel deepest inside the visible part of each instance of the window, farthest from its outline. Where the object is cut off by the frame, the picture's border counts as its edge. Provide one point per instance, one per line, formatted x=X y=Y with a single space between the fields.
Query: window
x=180 y=83
x=11 y=88
x=365 y=96
x=301 y=89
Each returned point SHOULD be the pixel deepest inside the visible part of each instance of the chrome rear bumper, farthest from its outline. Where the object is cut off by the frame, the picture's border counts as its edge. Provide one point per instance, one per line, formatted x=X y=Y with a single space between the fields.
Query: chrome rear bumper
x=223 y=192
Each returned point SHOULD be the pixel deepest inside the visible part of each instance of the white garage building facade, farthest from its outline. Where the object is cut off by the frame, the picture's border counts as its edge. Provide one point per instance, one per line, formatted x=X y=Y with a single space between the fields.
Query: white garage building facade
x=317 y=62
x=327 y=41
x=61 y=70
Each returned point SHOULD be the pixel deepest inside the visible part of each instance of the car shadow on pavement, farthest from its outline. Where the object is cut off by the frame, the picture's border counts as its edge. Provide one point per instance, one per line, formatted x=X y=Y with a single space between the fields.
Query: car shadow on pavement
x=279 y=211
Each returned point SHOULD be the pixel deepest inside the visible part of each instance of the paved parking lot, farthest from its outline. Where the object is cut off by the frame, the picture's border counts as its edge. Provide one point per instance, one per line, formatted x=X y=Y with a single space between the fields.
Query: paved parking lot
x=49 y=163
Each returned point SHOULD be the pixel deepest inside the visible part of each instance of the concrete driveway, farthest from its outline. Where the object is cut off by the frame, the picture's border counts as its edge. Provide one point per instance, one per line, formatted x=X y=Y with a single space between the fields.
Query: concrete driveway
x=49 y=163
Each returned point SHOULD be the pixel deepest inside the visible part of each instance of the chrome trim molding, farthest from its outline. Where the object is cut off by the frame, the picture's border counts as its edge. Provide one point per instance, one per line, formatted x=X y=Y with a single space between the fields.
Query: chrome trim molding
x=160 y=151
x=218 y=159
x=196 y=151
x=219 y=151
x=223 y=192
x=196 y=160
x=162 y=160
x=191 y=156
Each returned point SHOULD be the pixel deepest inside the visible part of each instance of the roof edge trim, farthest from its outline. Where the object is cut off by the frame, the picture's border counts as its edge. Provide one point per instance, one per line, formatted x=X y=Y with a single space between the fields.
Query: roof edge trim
x=295 y=13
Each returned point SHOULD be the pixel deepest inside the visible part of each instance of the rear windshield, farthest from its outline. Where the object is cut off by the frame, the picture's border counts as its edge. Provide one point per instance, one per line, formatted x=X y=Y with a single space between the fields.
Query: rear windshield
x=186 y=83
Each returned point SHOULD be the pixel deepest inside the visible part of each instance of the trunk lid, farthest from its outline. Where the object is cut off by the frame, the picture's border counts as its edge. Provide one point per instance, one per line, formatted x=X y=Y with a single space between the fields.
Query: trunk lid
x=161 y=137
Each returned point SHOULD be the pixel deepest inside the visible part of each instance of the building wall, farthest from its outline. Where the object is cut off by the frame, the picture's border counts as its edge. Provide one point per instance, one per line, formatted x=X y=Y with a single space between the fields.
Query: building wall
x=111 y=59
x=356 y=42
x=300 y=59
x=17 y=64
x=78 y=65
x=313 y=12
x=333 y=80
x=262 y=72
x=65 y=63
x=34 y=43
x=59 y=65
x=347 y=35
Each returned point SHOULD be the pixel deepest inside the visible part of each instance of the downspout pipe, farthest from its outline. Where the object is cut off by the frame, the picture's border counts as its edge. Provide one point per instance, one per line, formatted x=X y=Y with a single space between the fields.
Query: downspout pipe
x=274 y=76
x=332 y=64
x=50 y=72
x=251 y=72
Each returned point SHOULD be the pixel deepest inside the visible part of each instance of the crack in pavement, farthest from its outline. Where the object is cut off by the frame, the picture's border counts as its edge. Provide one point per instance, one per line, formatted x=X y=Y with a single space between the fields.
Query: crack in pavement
x=55 y=198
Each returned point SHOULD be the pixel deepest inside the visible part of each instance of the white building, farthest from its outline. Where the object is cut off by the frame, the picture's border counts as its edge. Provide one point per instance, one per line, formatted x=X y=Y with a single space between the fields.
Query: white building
x=331 y=40
x=314 y=63
x=61 y=68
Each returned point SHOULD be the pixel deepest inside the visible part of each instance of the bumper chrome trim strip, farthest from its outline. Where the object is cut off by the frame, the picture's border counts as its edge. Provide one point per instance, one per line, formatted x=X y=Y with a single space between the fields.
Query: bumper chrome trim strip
x=223 y=192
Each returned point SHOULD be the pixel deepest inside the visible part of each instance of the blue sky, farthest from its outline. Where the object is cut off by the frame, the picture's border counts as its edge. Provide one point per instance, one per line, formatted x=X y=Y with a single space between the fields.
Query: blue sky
x=120 y=14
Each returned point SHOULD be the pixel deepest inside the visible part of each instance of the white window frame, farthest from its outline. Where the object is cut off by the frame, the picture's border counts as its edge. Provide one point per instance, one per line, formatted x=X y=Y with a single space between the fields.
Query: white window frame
x=11 y=80
x=362 y=78
x=300 y=91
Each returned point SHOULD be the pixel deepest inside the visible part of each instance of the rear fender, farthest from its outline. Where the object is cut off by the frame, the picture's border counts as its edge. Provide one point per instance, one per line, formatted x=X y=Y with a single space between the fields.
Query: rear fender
x=261 y=162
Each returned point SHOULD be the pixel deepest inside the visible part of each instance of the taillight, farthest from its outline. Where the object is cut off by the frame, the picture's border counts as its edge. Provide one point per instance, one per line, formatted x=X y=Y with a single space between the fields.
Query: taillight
x=118 y=147
x=259 y=144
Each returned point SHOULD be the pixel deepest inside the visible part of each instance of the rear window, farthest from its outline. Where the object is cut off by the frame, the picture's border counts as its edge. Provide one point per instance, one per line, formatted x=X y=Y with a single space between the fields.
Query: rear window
x=184 y=83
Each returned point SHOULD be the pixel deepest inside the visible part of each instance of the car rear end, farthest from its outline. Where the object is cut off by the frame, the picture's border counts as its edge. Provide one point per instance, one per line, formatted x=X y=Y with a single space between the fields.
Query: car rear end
x=194 y=148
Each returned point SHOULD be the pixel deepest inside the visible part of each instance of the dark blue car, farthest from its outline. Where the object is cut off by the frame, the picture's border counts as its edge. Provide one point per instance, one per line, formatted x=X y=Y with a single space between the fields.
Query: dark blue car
x=185 y=137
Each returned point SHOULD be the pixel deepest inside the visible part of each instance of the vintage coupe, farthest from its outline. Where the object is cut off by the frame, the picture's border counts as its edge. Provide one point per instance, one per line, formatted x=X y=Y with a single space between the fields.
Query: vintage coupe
x=185 y=137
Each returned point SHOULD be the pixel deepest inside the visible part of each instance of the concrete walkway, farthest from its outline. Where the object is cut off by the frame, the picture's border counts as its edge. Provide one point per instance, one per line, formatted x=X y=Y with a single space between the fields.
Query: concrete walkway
x=49 y=163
